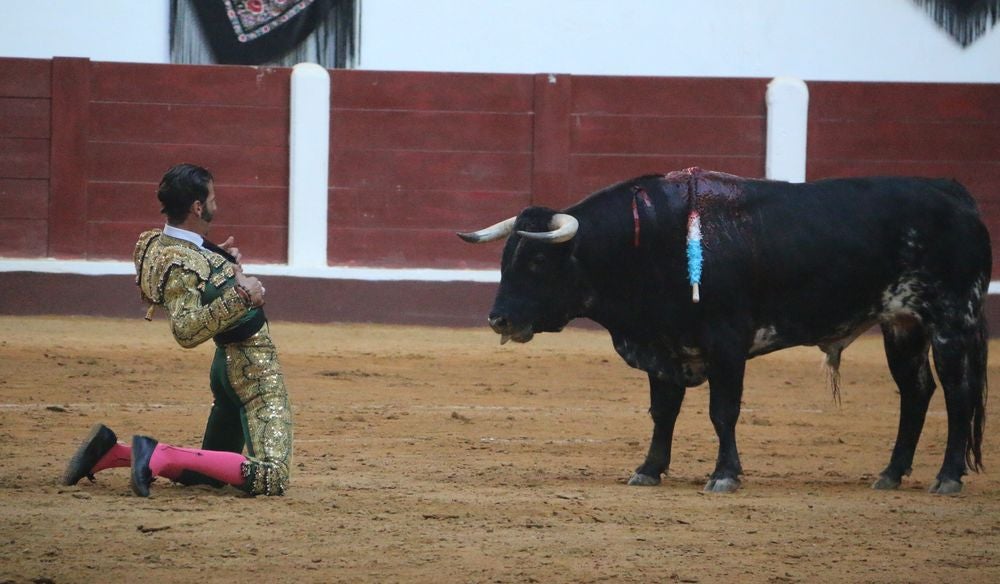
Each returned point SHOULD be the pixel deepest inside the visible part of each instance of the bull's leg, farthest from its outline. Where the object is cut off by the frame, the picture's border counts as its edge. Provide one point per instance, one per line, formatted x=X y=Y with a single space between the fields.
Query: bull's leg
x=664 y=404
x=960 y=360
x=725 y=381
x=906 y=345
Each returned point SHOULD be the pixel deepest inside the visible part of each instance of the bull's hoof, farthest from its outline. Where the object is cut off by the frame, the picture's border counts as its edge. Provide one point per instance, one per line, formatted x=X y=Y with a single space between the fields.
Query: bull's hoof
x=641 y=480
x=946 y=487
x=722 y=485
x=885 y=483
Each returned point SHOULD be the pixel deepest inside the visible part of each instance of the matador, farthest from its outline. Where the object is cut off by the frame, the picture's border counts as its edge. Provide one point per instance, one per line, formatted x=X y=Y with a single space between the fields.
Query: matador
x=202 y=288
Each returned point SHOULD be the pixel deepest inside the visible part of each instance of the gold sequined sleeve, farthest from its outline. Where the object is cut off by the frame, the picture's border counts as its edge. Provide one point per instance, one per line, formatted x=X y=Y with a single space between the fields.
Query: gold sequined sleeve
x=191 y=322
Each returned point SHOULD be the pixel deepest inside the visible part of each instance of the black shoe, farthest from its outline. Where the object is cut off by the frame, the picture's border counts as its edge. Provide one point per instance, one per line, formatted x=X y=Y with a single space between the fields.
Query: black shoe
x=98 y=443
x=142 y=477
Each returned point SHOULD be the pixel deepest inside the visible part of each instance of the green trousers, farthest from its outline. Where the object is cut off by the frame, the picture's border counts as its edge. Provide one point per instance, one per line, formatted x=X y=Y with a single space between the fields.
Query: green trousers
x=250 y=409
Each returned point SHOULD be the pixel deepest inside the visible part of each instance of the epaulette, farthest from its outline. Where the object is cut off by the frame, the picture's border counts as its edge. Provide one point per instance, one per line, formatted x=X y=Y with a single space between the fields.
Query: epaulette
x=154 y=261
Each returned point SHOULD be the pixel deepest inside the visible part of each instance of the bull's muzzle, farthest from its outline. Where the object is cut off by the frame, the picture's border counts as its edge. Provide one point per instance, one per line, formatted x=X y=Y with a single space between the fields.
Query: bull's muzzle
x=499 y=324
x=508 y=331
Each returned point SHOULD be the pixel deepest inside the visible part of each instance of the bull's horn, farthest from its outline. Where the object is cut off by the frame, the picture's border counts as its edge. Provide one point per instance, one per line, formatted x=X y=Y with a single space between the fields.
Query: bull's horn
x=563 y=228
x=491 y=233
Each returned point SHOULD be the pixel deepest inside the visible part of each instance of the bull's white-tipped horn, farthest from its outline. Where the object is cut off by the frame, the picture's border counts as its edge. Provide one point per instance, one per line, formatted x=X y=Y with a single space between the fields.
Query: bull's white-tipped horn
x=491 y=233
x=563 y=228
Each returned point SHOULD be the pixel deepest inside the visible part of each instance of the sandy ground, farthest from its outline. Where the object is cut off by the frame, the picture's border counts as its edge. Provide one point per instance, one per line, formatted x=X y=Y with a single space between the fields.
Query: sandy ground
x=428 y=454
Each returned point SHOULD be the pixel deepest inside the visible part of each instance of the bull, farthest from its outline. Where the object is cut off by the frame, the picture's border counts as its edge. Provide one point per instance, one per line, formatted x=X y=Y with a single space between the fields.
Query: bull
x=695 y=272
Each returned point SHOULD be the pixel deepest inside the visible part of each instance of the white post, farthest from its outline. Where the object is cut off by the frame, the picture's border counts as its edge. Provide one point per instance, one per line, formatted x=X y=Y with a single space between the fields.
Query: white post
x=308 y=166
x=787 y=119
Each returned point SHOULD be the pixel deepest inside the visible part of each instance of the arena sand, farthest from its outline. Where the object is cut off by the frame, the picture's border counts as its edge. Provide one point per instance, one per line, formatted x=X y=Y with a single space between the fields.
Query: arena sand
x=436 y=455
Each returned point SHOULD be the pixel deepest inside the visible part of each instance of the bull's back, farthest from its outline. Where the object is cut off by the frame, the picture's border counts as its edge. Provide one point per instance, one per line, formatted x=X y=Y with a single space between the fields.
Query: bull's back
x=827 y=256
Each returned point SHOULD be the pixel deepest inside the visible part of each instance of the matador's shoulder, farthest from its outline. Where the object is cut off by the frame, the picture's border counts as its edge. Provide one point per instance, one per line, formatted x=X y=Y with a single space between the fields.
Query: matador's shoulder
x=155 y=257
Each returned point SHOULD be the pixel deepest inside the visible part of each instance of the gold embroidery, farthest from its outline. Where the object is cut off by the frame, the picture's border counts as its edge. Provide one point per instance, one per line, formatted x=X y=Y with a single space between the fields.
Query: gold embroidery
x=216 y=260
x=191 y=322
x=255 y=375
x=156 y=254
x=218 y=279
x=173 y=273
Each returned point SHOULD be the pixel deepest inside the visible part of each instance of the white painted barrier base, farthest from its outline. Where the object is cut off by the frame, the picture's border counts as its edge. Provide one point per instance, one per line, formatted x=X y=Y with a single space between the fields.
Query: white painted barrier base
x=115 y=268
x=118 y=268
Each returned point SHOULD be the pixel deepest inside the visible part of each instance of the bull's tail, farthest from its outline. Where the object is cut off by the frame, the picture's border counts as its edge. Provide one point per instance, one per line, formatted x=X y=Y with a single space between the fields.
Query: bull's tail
x=979 y=387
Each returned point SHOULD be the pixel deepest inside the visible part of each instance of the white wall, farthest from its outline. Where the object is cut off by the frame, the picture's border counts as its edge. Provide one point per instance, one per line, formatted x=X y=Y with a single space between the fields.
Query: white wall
x=890 y=40
x=103 y=30
x=860 y=40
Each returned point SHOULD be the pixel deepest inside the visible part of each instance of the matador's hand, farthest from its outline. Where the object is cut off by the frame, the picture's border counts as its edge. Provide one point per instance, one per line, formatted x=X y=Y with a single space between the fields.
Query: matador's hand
x=230 y=246
x=252 y=285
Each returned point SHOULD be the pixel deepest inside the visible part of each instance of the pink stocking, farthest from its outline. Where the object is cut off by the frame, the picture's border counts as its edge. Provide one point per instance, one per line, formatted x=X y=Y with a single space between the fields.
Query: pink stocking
x=119 y=456
x=169 y=461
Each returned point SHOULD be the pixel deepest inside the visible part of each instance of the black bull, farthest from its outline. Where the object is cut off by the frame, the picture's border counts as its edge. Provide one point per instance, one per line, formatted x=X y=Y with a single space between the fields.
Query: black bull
x=783 y=265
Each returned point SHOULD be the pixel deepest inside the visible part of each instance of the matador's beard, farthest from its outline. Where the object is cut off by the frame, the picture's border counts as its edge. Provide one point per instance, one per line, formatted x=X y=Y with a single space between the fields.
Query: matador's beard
x=206 y=215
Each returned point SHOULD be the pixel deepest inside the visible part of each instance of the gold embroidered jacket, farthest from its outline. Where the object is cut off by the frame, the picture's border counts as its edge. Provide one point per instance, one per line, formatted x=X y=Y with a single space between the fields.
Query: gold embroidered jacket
x=194 y=285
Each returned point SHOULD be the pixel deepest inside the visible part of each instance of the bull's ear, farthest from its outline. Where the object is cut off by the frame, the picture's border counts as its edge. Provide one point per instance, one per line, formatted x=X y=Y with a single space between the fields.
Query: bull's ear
x=562 y=228
x=491 y=233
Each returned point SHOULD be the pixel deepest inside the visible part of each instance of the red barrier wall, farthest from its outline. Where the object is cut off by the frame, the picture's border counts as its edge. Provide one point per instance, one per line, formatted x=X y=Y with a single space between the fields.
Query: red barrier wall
x=629 y=126
x=25 y=114
x=415 y=157
x=83 y=145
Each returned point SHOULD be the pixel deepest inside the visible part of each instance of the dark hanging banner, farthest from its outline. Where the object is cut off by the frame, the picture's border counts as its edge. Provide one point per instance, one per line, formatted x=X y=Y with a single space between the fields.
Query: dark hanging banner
x=964 y=20
x=251 y=32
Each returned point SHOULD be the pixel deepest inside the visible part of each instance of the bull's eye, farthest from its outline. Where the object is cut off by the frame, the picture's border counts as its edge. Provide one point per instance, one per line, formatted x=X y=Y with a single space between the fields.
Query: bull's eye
x=538 y=262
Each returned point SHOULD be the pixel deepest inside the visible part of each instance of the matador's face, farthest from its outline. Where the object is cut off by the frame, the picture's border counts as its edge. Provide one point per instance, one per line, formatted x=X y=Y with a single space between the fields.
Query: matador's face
x=209 y=207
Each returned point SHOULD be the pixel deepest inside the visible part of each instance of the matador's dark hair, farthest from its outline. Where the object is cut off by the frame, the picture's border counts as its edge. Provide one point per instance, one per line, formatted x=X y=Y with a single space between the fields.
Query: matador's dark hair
x=181 y=186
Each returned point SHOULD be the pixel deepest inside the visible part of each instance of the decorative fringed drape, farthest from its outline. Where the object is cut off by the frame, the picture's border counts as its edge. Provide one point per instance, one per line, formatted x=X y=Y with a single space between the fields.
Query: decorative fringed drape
x=964 y=20
x=264 y=32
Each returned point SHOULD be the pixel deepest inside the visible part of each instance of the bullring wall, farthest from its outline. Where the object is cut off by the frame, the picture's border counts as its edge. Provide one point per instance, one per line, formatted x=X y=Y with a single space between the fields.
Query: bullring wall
x=415 y=157
x=83 y=145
